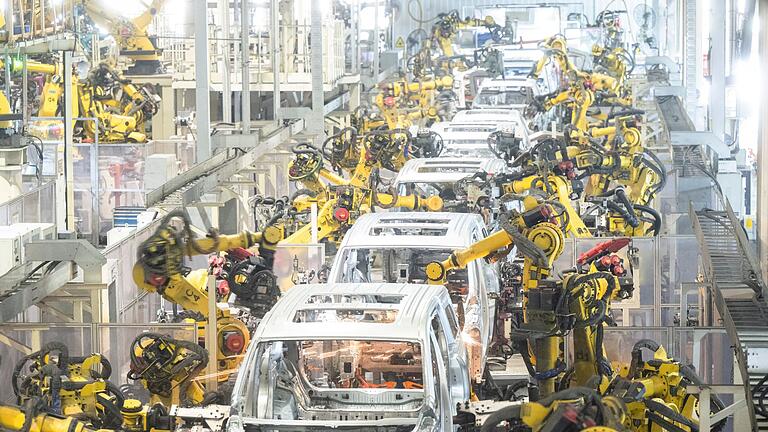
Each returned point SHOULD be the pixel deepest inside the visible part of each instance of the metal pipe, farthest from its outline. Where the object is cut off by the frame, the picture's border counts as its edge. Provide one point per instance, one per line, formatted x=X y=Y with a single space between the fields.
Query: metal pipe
x=375 y=44
x=274 y=14
x=226 y=81
x=69 y=167
x=316 y=125
x=718 y=18
x=24 y=97
x=202 y=82
x=245 y=93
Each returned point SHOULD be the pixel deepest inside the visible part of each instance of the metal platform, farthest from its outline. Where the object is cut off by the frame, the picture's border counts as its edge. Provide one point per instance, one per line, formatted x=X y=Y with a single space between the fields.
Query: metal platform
x=732 y=272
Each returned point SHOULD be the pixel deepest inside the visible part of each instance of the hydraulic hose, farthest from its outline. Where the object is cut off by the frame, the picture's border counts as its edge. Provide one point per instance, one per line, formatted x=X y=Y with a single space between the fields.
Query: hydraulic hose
x=656 y=224
x=630 y=217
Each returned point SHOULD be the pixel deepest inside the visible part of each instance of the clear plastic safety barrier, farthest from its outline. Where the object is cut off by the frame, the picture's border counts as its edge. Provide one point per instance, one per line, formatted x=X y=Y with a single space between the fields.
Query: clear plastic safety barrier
x=706 y=349
x=35 y=206
x=109 y=175
x=664 y=271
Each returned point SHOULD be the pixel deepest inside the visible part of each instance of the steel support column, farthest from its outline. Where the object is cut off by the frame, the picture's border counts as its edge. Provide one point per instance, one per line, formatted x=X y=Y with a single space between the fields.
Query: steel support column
x=691 y=49
x=718 y=18
x=375 y=43
x=245 y=52
x=274 y=16
x=69 y=146
x=317 y=117
x=202 y=82
x=226 y=78
x=762 y=147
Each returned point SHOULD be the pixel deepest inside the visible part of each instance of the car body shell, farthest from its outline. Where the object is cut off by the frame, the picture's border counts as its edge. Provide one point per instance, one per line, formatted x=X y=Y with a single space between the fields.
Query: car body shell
x=433 y=231
x=424 y=316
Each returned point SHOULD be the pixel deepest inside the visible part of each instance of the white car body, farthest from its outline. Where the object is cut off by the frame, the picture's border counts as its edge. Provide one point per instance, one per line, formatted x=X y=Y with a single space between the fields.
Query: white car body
x=467 y=135
x=404 y=243
x=353 y=357
x=516 y=94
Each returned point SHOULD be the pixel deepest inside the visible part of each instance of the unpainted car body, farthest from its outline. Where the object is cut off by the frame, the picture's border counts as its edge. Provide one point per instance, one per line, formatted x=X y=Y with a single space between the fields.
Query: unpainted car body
x=385 y=357
x=515 y=93
x=396 y=247
x=467 y=134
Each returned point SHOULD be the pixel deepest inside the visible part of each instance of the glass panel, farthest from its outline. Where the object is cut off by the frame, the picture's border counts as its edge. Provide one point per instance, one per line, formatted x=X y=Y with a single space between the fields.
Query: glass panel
x=15 y=214
x=48 y=203
x=670 y=316
x=640 y=317
x=31 y=207
x=679 y=260
x=619 y=341
x=298 y=264
x=566 y=260
x=709 y=351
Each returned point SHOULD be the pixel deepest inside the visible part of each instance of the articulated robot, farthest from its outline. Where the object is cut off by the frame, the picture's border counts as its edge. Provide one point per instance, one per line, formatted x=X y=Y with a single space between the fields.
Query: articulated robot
x=446 y=28
x=401 y=104
x=160 y=268
x=167 y=368
x=120 y=108
x=341 y=200
x=622 y=178
x=590 y=396
x=582 y=87
x=131 y=36
x=59 y=393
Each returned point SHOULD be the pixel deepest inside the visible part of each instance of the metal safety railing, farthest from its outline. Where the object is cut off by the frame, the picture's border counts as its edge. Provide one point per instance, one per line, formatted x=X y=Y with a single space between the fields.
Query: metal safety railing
x=732 y=272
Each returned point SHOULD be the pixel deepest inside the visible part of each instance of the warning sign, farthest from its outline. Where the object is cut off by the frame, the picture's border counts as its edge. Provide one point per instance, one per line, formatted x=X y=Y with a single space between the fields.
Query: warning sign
x=400 y=43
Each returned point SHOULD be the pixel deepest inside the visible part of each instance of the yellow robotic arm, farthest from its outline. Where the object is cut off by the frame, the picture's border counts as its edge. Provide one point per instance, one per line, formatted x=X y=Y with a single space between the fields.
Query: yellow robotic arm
x=556 y=187
x=539 y=240
x=15 y=419
x=159 y=267
x=70 y=386
x=347 y=202
x=131 y=35
x=167 y=368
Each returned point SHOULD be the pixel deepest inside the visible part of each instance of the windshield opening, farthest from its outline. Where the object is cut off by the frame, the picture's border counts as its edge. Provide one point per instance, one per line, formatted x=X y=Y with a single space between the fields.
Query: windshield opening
x=315 y=379
x=402 y=265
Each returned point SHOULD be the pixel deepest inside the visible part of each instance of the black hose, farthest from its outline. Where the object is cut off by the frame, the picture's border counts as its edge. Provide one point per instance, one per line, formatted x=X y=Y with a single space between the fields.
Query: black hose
x=571 y=393
x=625 y=112
x=658 y=169
x=631 y=218
x=657 y=218
x=662 y=409
x=300 y=192
x=111 y=418
x=637 y=354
